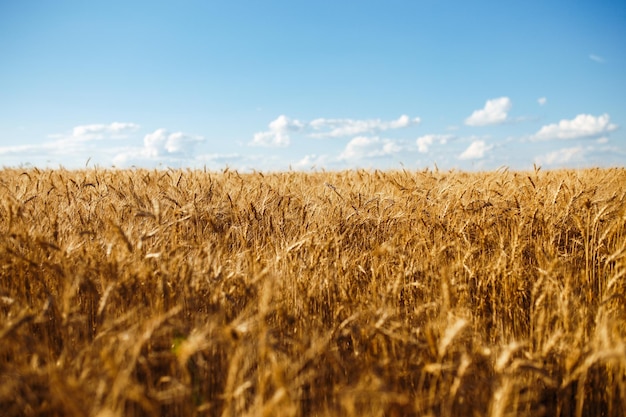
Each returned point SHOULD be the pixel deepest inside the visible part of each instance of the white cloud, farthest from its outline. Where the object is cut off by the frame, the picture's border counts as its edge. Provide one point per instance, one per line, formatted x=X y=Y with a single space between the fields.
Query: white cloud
x=153 y=143
x=561 y=156
x=161 y=142
x=73 y=148
x=476 y=150
x=99 y=131
x=311 y=161
x=424 y=142
x=238 y=161
x=542 y=101
x=26 y=149
x=278 y=135
x=160 y=146
x=334 y=128
x=274 y=139
x=219 y=158
x=494 y=112
x=582 y=126
x=596 y=58
x=369 y=147
x=280 y=129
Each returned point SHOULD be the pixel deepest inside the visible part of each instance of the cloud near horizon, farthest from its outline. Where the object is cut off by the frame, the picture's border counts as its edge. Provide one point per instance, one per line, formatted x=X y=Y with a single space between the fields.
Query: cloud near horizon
x=369 y=147
x=582 y=126
x=561 y=156
x=81 y=142
x=280 y=129
x=98 y=131
x=278 y=133
x=494 y=112
x=335 y=128
x=358 y=142
x=160 y=145
x=476 y=150
x=425 y=142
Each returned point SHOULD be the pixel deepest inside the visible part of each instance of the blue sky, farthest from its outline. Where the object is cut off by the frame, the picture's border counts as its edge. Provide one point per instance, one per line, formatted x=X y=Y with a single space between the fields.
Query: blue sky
x=274 y=85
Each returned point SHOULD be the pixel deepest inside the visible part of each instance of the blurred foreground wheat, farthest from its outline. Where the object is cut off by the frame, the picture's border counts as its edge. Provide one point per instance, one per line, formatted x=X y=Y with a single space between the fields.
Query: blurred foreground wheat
x=178 y=293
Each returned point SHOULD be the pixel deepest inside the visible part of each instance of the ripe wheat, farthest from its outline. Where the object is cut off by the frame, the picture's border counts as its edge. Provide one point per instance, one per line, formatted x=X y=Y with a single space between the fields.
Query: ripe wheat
x=176 y=293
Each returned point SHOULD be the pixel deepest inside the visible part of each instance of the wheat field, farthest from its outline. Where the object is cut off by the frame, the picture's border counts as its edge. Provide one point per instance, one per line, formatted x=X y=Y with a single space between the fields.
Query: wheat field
x=355 y=293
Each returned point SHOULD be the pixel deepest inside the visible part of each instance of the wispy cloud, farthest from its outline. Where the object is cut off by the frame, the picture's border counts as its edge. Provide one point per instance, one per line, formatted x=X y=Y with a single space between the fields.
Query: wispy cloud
x=561 y=156
x=80 y=144
x=476 y=150
x=238 y=161
x=494 y=112
x=220 y=158
x=542 y=101
x=28 y=149
x=161 y=142
x=582 y=126
x=99 y=131
x=160 y=146
x=312 y=161
x=597 y=58
x=424 y=142
x=335 y=128
x=280 y=129
x=369 y=147
x=278 y=133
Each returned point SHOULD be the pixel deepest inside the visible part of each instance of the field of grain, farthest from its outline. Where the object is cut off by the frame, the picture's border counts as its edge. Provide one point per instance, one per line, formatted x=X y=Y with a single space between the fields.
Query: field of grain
x=357 y=293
